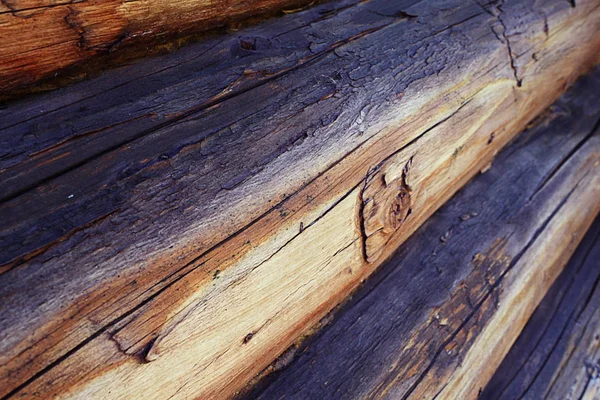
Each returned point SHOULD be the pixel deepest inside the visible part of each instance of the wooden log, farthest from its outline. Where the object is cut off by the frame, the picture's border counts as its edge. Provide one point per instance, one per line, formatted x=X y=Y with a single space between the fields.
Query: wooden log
x=40 y=38
x=557 y=354
x=184 y=220
x=437 y=319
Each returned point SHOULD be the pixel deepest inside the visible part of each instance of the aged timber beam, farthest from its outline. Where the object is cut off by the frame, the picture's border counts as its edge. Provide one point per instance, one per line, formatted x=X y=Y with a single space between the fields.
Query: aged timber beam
x=184 y=219
x=40 y=37
x=557 y=356
x=437 y=319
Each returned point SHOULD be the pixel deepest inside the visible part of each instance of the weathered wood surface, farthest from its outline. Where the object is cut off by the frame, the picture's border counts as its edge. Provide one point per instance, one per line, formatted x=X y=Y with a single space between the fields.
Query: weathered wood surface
x=39 y=38
x=184 y=219
x=557 y=356
x=437 y=318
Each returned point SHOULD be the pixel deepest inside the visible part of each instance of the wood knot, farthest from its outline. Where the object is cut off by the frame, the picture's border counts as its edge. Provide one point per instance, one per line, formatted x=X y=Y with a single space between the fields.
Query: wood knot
x=398 y=206
x=385 y=205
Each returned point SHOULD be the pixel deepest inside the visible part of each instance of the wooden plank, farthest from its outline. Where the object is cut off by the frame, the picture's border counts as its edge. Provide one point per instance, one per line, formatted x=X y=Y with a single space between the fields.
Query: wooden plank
x=40 y=38
x=556 y=356
x=137 y=220
x=436 y=320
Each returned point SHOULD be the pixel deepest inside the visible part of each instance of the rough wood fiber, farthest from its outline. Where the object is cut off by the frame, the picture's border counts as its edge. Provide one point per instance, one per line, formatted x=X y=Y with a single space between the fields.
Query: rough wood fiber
x=183 y=220
x=438 y=317
x=38 y=38
x=557 y=356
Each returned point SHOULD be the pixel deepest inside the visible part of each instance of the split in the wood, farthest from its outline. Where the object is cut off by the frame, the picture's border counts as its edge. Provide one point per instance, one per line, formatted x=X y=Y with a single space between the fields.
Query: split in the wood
x=167 y=210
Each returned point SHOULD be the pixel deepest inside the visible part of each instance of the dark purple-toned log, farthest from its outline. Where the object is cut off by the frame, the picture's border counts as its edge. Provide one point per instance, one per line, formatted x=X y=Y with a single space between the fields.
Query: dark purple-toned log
x=184 y=219
x=557 y=356
x=408 y=330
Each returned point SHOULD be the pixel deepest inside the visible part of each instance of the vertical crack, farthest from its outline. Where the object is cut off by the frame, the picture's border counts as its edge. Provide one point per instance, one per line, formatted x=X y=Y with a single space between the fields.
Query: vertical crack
x=511 y=54
x=503 y=37
x=73 y=23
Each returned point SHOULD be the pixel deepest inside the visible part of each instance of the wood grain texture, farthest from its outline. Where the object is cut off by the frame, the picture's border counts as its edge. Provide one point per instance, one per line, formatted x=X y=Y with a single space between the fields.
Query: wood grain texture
x=187 y=218
x=438 y=317
x=557 y=354
x=42 y=37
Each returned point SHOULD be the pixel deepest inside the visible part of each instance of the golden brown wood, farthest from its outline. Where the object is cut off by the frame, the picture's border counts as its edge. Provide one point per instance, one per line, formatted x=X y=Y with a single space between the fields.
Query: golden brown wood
x=526 y=285
x=38 y=38
x=182 y=295
x=412 y=326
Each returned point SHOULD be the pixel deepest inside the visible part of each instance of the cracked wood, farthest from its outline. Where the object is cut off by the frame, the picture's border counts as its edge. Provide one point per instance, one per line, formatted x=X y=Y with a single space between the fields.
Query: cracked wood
x=130 y=201
x=436 y=320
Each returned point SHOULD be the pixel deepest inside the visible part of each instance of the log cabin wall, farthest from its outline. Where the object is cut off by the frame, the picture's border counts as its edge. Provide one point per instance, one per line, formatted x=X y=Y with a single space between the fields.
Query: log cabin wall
x=558 y=353
x=187 y=217
x=437 y=318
